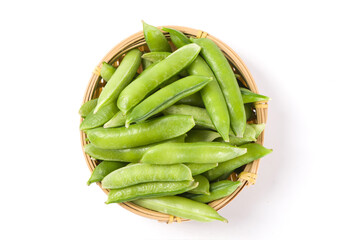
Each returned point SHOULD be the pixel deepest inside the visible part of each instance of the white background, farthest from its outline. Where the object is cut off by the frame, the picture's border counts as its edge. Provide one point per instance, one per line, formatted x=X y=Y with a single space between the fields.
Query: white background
x=303 y=54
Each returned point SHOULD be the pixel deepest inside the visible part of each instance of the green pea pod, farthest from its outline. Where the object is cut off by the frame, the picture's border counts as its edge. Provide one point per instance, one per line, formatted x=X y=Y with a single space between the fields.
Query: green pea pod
x=217 y=190
x=103 y=169
x=123 y=155
x=249 y=136
x=120 y=79
x=155 y=57
x=202 y=136
x=178 y=38
x=227 y=81
x=118 y=120
x=141 y=173
x=254 y=151
x=146 y=64
x=155 y=39
x=149 y=190
x=249 y=111
x=152 y=131
x=166 y=97
x=193 y=100
x=259 y=128
x=199 y=152
x=150 y=79
x=87 y=107
x=181 y=207
x=198 y=168
x=98 y=119
x=107 y=70
x=249 y=97
x=203 y=187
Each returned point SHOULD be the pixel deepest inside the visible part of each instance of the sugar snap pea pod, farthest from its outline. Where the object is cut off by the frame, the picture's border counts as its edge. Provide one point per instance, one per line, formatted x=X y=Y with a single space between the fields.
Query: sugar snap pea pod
x=259 y=128
x=249 y=136
x=98 y=119
x=87 y=107
x=124 y=155
x=181 y=207
x=118 y=120
x=254 y=151
x=227 y=81
x=199 y=152
x=178 y=38
x=193 y=100
x=107 y=70
x=103 y=169
x=149 y=190
x=203 y=187
x=152 y=131
x=198 y=168
x=217 y=190
x=165 y=97
x=249 y=96
x=155 y=39
x=153 y=77
x=146 y=63
x=155 y=57
x=141 y=173
x=202 y=136
x=120 y=79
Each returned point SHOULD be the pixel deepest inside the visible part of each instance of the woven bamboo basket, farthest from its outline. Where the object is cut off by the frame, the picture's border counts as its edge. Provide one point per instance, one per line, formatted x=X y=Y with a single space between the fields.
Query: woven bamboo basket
x=114 y=57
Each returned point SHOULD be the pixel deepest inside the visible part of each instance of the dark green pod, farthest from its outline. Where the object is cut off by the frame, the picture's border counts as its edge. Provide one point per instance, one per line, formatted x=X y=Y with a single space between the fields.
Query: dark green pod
x=103 y=169
x=98 y=119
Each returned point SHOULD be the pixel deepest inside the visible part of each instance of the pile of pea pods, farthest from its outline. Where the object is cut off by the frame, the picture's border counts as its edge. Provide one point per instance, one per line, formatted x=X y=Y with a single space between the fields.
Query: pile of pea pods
x=169 y=138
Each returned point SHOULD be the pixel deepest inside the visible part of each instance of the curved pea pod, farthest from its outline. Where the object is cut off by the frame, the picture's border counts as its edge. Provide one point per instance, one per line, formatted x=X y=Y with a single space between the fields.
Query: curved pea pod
x=103 y=169
x=178 y=38
x=165 y=97
x=259 y=128
x=199 y=152
x=203 y=187
x=217 y=190
x=87 y=107
x=193 y=100
x=118 y=120
x=124 y=155
x=198 y=168
x=155 y=39
x=152 y=131
x=150 y=79
x=120 y=79
x=107 y=70
x=254 y=151
x=181 y=207
x=98 y=119
x=149 y=190
x=202 y=136
x=141 y=173
x=155 y=57
x=227 y=81
x=249 y=96
x=249 y=136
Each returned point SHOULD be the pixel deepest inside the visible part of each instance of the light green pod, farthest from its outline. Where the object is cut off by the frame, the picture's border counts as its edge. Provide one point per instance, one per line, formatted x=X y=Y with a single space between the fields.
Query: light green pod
x=146 y=64
x=152 y=131
x=193 y=100
x=249 y=136
x=155 y=57
x=155 y=39
x=217 y=190
x=87 y=107
x=120 y=79
x=178 y=38
x=150 y=79
x=181 y=207
x=259 y=128
x=203 y=187
x=198 y=168
x=149 y=190
x=107 y=71
x=98 y=119
x=199 y=152
x=141 y=173
x=118 y=120
x=249 y=96
x=124 y=155
x=165 y=97
x=202 y=136
x=103 y=169
x=254 y=151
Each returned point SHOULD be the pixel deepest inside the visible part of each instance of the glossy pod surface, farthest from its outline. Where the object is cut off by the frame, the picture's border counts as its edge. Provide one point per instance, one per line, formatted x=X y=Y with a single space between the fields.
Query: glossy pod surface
x=155 y=39
x=199 y=152
x=141 y=173
x=248 y=96
x=98 y=119
x=193 y=100
x=203 y=187
x=87 y=107
x=141 y=134
x=198 y=168
x=155 y=57
x=118 y=120
x=103 y=169
x=178 y=38
x=249 y=136
x=107 y=71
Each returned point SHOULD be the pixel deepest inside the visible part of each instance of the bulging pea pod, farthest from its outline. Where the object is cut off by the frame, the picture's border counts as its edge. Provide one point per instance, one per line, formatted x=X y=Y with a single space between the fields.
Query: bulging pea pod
x=141 y=173
x=107 y=70
x=217 y=190
x=193 y=100
x=87 y=108
x=98 y=119
x=197 y=135
x=151 y=78
x=155 y=57
x=120 y=79
x=198 y=168
x=254 y=151
x=124 y=155
x=249 y=136
x=149 y=190
x=199 y=152
x=103 y=169
x=178 y=38
x=249 y=96
x=152 y=131
x=155 y=39
x=203 y=187
x=118 y=120
x=181 y=207
x=165 y=97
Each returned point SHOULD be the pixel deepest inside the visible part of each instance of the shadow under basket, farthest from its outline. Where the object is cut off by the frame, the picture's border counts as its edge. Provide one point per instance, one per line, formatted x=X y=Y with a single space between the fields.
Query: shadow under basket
x=114 y=57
